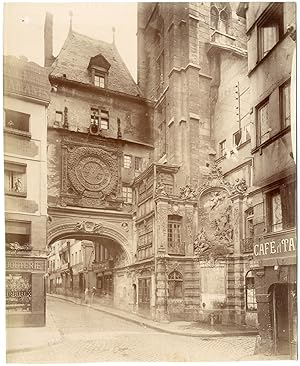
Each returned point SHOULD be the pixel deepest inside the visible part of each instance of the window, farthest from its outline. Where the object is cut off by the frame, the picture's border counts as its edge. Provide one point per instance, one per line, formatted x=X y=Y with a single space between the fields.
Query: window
x=58 y=118
x=249 y=229
x=145 y=233
x=174 y=235
x=127 y=194
x=237 y=138
x=175 y=282
x=17 y=120
x=127 y=161
x=104 y=122
x=138 y=164
x=263 y=126
x=99 y=80
x=15 y=179
x=251 y=304
x=270 y=30
x=18 y=235
x=222 y=147
x=219 y=17
x=281 y=207
x=72 y=260
x=285 y=104
x=276 y=209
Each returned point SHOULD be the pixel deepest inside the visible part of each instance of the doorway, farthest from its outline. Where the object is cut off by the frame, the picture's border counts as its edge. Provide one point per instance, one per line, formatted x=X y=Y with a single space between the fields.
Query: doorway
x=280 y=318
x=144 y=286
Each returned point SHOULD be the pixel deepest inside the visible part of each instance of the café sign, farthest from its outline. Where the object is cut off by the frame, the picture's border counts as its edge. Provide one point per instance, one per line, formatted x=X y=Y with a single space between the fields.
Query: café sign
x=276 y=246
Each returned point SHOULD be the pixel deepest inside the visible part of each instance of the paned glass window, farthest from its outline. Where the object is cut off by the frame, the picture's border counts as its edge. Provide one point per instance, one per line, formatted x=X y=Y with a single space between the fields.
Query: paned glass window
x=127 y=161
x=99 y=81
x=270 y=30
x=222 y=148
x=127 y=194
x=285 y=104
x=251 y=304
x=104 y=122
x=15 y=179
x=276 y=207
x=263 y=124
x=175 y=282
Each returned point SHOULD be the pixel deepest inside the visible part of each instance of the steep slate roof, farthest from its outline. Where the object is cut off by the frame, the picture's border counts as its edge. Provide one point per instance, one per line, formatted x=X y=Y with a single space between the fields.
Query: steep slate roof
x=74 y=58
x=24 y=78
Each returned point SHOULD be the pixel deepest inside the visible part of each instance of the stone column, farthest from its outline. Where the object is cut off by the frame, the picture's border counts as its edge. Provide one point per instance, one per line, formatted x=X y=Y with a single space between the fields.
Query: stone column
x=236 y=277
x=161 y=231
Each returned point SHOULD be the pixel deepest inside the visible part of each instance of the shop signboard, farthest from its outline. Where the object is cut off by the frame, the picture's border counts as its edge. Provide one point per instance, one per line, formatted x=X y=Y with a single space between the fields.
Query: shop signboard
x=18 y=292
x=25 y=264
x=276 y=245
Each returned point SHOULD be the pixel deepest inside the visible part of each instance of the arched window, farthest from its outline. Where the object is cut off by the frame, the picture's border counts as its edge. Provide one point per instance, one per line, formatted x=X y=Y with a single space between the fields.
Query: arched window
x=220 y=17
x=251 y=304
x=214 y=17
x=175 y=282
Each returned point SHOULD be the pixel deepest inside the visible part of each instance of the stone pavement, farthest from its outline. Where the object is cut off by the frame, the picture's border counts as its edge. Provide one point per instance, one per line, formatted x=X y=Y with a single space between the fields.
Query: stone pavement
x=25 y=339
x=192 y=329
x=30 y=338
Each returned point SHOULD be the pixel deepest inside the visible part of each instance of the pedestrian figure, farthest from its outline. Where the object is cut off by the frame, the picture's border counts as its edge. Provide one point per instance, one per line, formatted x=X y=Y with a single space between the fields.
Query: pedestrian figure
x=86 y=295
x=93 y=292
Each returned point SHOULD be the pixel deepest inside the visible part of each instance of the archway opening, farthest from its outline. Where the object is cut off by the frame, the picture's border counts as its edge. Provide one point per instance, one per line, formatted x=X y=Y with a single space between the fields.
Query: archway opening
x=84 y=266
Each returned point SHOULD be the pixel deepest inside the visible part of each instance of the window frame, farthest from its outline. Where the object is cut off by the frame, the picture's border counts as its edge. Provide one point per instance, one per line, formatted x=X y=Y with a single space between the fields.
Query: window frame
x=127 y=191
x=250 y=275
x=27 y=225
x=288 y=205
x=270 y=14
x=127 y=158
x=19 y=114
x=104 y=117
x=175 y=278
x=222 y=151
x=286 y=84
x=21 y=169
x=262 y=104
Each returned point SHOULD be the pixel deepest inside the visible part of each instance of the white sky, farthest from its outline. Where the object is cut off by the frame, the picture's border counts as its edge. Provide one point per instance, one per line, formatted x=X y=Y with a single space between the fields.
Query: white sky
x=24 y=27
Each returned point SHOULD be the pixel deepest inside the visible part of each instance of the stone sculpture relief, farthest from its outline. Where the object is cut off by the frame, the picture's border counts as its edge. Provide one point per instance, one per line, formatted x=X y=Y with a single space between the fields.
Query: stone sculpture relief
x=89 y=175
x=88 y=227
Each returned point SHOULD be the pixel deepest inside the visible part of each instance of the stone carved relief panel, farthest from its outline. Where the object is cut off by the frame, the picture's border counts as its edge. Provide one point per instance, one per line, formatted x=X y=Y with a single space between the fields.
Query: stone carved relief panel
x=90 y=175
x=215 y=236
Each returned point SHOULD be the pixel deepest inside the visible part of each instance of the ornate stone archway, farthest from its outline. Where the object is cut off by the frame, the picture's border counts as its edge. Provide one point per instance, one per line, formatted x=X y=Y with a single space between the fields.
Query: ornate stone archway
x=88 y=229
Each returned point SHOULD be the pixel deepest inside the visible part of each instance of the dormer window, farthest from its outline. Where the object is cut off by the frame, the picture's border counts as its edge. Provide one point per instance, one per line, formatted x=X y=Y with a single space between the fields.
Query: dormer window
x=99 y=67
x=99 y=80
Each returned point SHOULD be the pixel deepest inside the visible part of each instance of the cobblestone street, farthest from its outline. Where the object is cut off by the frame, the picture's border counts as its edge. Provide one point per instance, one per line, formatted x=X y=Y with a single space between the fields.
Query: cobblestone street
x=88 y=335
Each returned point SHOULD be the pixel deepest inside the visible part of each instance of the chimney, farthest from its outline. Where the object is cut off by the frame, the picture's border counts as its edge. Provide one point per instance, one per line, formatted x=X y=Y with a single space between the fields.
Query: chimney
x=48 y=40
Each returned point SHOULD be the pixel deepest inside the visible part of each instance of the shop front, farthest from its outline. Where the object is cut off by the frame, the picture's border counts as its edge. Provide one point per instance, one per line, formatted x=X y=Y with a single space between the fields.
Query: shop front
x=25 y=291
x=275 y=272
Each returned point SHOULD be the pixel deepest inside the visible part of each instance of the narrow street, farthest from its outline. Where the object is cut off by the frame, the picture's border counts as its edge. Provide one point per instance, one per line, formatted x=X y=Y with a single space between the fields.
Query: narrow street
x=92 y=336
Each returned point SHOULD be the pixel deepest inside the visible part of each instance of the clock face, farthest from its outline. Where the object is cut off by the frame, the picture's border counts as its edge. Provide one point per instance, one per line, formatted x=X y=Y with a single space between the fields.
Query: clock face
x=93 y=171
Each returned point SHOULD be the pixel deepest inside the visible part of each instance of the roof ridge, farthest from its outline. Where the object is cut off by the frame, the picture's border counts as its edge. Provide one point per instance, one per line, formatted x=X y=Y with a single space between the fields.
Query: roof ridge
x=124 y=64
x=91 y=38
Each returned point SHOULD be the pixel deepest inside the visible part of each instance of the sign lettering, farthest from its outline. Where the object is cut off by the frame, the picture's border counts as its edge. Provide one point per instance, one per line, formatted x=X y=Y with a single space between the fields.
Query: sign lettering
x=280 y=246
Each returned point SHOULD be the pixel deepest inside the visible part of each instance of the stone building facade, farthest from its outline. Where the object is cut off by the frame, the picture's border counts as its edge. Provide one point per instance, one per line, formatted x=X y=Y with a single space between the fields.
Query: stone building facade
x=99 y=140
x=181 y=229
x=272 y=197
x=26 y=98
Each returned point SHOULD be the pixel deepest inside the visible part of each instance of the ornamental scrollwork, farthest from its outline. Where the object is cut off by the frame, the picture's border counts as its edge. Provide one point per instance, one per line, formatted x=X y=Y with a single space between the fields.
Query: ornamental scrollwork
x=88 y=227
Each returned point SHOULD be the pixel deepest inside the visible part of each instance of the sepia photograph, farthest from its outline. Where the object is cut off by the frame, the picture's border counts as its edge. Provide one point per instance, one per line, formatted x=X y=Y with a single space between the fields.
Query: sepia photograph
x=149 y=182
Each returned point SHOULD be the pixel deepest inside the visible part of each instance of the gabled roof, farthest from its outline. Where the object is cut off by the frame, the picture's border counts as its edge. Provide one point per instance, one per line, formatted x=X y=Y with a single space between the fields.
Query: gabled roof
x=24 y=78
x=74 y=58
